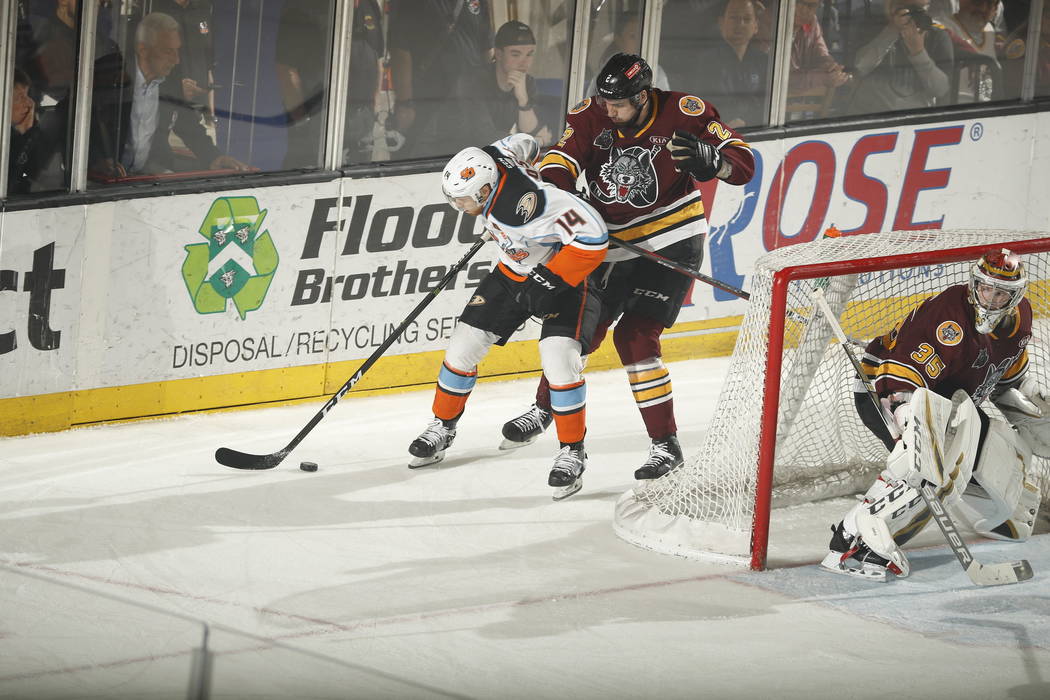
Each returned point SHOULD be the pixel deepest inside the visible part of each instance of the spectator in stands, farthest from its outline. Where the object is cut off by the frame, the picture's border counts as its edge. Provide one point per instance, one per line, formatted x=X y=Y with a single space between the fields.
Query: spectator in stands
x=501 y=97
x=1042 y=72
x=906 y=64
x=812 y=66
x=972 y=33
x=31 y=154
x=55 y=63
x=302 y=52
x=197 y=58
x=433 y=43
x=628 y=39
x=734 y=74
x=367 y=49
x=131 y=136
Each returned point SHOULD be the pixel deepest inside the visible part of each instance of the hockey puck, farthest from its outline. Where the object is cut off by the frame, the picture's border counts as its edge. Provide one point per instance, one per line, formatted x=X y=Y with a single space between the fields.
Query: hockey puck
x=308 y=466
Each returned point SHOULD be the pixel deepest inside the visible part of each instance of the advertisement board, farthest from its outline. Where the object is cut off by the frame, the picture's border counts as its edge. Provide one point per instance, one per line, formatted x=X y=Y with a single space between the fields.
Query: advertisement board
x=216 y=290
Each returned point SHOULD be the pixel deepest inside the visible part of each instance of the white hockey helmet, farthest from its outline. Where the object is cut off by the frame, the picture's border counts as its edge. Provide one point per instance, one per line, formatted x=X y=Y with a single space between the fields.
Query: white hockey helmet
x=997 y=285
x=466 y=175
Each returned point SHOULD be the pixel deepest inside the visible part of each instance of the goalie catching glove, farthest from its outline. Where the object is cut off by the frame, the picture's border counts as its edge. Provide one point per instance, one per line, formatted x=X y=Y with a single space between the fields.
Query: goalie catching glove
x=1027 y=408
x=537 y=292
x=698 y=158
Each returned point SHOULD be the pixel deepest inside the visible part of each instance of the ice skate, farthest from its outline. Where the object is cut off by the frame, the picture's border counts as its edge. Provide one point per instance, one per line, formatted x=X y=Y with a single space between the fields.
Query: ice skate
x=664 y=456
x=524 y=429
x=851 y=557
x=566 y=474
x=430 y=446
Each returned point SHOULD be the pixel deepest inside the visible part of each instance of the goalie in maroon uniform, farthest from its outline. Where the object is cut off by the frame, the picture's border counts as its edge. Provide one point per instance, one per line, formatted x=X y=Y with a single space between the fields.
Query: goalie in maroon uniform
x=968 y=343
x=644 y=153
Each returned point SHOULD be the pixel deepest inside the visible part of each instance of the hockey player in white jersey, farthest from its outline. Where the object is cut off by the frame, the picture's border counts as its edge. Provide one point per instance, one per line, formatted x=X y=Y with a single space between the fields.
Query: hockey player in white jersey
x=549 y=242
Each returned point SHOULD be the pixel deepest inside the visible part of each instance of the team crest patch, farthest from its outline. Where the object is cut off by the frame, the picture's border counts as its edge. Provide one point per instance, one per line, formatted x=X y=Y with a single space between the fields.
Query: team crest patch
x=581 y=105
x=476 y=300
x=604 y=140
x=565 y=136
x=949 y=333
x=691 y=105
x=526 y=206
x=466 y=173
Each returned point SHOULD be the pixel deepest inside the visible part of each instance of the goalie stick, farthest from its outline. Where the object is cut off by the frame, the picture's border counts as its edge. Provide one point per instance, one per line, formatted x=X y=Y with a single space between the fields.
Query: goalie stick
x=244 y=460
x=980 y=574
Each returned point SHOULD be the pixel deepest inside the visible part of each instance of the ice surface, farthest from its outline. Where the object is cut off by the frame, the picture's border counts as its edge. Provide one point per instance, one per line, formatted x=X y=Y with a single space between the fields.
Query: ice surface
x=367 y=579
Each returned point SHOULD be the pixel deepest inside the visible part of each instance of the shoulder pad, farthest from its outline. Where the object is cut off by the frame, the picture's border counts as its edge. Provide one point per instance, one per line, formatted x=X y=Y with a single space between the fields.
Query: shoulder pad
x=691 y=105
x=581 y=106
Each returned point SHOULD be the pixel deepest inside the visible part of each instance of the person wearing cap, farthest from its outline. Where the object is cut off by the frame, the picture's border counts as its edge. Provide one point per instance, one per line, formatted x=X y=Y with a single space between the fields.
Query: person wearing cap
x=511 y=98
x=499 y=98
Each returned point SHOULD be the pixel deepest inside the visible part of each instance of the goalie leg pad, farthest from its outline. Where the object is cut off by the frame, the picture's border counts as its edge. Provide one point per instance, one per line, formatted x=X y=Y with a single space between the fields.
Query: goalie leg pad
x=1002 y=503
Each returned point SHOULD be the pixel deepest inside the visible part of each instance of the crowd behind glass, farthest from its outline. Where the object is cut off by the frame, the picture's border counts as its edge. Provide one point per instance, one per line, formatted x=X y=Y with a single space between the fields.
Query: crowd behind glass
x=190 y=88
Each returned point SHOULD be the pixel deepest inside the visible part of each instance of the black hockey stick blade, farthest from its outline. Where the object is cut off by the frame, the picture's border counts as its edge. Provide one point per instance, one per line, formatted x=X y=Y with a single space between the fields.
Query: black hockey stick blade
x=242 y=460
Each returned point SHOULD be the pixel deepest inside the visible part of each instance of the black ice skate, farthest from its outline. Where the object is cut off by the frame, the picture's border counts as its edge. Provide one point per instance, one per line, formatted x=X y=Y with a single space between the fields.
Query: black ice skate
x=430 y=446
x=566 y=474
x=524 y=429
x=664 y=456
x=850 y=556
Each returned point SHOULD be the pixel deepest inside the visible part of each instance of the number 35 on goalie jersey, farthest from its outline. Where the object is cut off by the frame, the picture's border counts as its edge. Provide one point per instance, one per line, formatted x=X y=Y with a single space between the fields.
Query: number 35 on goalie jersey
x=938 y=347
x=534 y=222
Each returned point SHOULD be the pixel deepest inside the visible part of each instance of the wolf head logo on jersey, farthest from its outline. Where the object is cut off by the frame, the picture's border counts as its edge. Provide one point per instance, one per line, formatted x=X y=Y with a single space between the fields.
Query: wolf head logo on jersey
x=629 y=177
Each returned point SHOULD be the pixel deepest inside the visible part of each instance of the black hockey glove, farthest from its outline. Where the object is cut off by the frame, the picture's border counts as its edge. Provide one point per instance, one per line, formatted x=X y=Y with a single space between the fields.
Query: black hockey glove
x=536 y=294
x=696 y=157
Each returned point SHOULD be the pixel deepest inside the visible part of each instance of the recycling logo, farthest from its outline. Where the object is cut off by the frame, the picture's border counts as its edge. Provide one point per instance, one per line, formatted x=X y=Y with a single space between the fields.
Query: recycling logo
x=237 y=263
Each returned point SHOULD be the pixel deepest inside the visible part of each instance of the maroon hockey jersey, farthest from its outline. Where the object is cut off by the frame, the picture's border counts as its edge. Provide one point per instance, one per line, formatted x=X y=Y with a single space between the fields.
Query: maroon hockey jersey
x=631 y=177
x=937 y=347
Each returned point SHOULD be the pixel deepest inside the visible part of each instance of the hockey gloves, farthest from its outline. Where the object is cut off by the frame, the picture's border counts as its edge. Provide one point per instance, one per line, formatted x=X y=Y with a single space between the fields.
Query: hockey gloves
x=698 y=158
x=537 y=292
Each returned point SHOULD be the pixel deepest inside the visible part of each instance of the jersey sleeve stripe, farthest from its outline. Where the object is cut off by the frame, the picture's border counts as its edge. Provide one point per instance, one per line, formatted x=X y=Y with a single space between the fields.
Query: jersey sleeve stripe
x=557 y=159
x=1016 y=369
x=890 y=369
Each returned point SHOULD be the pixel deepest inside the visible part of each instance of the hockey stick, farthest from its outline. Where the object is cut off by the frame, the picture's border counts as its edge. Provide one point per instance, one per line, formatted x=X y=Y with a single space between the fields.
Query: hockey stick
x=678 y=267
x=980 y=574
x=244 y=460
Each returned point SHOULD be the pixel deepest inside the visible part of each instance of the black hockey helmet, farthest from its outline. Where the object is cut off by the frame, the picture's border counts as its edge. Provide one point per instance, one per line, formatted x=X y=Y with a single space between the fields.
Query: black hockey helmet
x=624 y=76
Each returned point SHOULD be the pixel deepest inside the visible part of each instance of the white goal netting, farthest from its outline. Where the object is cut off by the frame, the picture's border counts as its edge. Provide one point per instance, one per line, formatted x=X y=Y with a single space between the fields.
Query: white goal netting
x=707 y=509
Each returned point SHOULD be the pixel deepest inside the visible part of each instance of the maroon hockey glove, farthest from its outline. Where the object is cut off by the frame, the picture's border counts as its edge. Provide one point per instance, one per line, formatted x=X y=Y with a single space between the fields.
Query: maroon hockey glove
x=698 y=158
x=537 y=292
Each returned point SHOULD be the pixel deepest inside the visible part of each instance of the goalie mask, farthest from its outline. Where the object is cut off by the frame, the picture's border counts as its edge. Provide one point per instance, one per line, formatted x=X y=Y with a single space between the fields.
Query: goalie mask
x=464 y=178
x=997 y=285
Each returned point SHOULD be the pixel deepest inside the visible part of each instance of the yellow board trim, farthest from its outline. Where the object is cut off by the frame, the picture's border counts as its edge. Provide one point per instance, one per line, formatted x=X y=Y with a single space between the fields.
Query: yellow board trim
x=293 y=385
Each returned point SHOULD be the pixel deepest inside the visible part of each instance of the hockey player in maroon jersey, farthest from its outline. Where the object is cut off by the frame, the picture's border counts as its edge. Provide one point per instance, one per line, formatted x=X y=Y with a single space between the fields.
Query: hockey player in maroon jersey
x=968 y=342
x=644 y=153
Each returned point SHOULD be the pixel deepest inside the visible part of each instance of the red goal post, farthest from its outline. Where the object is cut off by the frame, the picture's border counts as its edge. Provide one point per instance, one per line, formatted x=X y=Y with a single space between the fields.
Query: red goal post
x=699 y=511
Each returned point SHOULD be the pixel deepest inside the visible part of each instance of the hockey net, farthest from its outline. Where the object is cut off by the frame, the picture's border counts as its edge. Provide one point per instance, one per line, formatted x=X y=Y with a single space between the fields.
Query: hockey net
x=785 y=430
